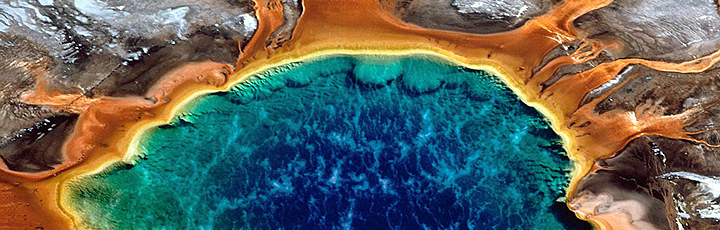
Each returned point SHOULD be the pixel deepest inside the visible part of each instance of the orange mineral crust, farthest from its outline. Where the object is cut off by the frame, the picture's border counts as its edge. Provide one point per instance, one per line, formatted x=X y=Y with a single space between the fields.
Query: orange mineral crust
x=108 y=126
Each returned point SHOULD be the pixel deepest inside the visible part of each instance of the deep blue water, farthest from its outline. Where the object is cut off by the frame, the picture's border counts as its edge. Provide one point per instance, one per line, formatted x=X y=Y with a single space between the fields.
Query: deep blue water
x=343 y=143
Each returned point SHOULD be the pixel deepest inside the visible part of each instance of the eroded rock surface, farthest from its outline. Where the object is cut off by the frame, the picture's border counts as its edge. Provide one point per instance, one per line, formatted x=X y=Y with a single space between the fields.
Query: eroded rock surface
x=481 y=17
x=99 y=48
x=659 y=174
x=112 y=48
x=651 y=173
x=656 y=30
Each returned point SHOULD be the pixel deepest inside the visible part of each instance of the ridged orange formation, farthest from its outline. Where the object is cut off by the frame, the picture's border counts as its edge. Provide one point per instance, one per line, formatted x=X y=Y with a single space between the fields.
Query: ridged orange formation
x=108 y=126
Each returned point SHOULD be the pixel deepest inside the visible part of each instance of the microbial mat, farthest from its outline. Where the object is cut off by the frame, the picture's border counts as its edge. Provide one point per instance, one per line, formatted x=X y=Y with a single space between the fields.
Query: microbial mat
x=344 y=142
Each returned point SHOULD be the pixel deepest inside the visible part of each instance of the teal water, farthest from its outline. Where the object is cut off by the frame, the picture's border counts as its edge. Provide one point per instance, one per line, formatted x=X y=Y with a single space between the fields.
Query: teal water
x=342 y=143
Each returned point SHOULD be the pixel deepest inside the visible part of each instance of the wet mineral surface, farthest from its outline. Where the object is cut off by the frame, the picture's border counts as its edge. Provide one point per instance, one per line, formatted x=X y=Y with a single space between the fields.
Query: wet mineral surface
x=633 y=81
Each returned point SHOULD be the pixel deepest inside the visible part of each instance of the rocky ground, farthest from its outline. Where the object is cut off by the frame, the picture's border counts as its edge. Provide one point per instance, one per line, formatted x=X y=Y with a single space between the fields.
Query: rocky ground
x=482 y=17
x=116 y=48
x=675 y=181
x=99 y=48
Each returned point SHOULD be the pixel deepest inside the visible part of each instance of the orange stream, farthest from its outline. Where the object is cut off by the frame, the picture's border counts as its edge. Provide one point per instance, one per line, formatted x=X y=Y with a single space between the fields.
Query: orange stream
x=108 y=125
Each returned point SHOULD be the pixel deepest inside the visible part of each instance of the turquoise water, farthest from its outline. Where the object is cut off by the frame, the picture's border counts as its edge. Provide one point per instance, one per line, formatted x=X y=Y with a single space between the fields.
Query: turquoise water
x=342 y=143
